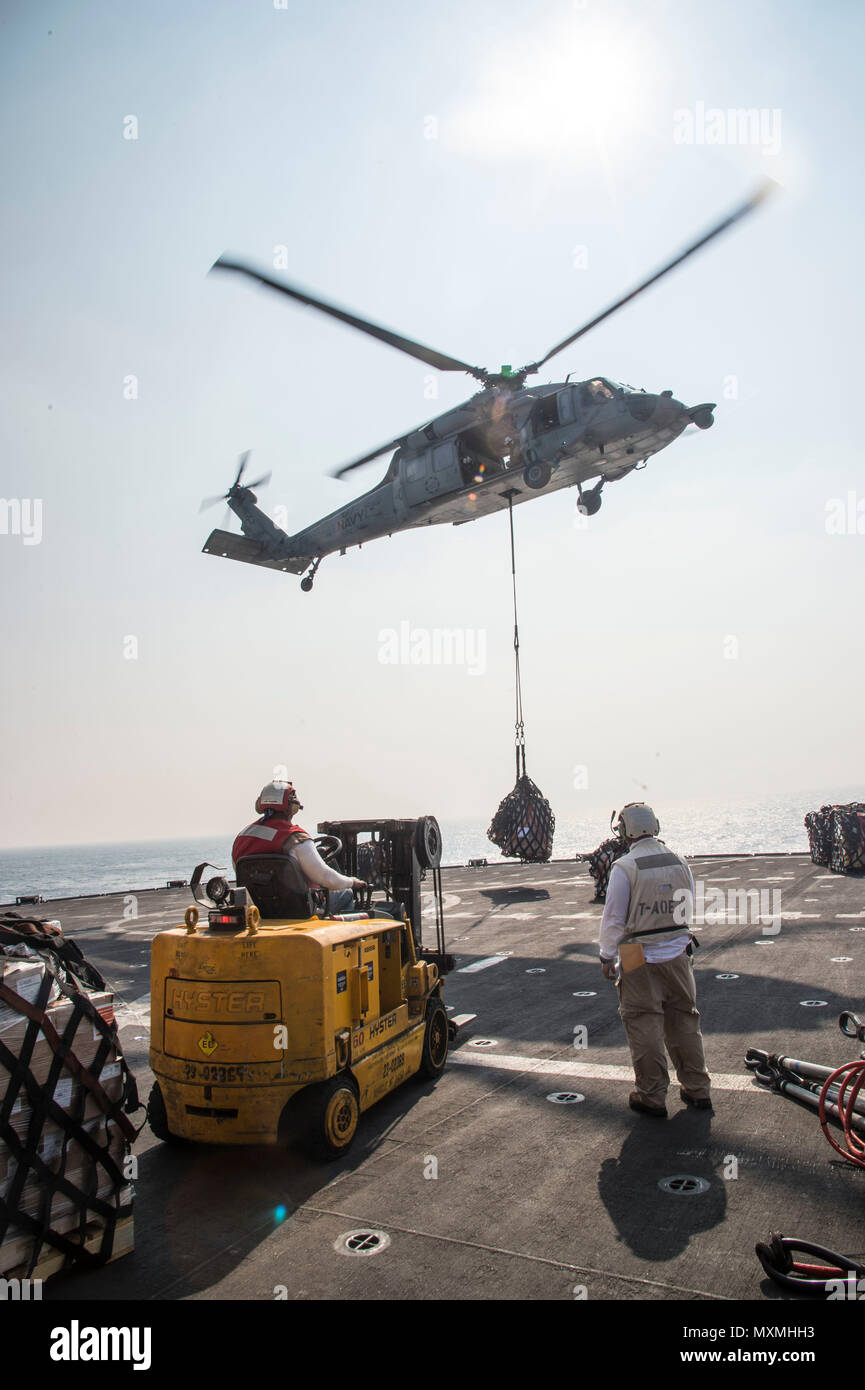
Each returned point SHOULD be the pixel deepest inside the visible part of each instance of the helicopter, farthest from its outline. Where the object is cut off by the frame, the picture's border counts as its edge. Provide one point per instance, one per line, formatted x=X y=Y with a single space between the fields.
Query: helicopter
x=505 y=445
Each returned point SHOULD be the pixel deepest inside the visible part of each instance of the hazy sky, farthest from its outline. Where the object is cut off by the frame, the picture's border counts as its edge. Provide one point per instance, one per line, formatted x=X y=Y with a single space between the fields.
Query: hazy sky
x=437 y=168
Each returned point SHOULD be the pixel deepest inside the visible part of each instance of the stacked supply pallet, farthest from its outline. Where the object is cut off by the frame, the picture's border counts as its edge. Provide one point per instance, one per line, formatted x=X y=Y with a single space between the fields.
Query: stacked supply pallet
x=65 y=1134
x=836 y=836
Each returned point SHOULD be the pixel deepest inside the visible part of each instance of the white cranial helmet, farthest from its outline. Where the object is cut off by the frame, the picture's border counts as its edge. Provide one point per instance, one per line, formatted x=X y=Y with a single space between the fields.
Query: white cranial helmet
x=277 y=796
x=637 y=819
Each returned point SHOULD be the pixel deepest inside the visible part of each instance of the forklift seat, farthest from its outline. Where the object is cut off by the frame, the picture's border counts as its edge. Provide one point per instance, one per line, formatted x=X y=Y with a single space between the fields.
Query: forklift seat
x=276 y=885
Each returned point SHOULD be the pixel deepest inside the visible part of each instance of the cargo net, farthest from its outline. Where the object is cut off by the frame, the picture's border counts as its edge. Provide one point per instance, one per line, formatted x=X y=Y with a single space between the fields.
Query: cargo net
x=600 y=863
x=65 y=1096
x=836 y=836
x=524 y=824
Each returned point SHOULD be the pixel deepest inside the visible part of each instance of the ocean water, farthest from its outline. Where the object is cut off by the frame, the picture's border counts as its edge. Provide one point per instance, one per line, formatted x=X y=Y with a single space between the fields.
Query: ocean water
x=764 y=826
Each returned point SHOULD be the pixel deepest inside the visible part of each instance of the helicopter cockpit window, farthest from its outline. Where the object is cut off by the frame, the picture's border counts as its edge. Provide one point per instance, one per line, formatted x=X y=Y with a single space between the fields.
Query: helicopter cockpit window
x=596 y=392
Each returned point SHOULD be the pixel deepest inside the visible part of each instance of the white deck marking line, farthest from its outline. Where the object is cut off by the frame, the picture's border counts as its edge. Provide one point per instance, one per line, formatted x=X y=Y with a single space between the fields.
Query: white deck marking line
x=572 y=916
x=480 y=965
x=541 y=1066
x=514 y=1254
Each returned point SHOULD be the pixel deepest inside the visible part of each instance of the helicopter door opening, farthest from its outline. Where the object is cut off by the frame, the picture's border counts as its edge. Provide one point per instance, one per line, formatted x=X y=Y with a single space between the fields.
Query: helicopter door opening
x=477 y=461
x=545 y=415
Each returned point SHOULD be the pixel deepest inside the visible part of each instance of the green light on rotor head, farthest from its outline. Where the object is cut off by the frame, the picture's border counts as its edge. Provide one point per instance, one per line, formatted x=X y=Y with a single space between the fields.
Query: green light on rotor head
x=507 y=369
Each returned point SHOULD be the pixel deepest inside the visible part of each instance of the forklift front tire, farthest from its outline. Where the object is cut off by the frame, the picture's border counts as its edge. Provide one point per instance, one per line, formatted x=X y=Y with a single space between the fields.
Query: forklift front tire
x=435 y=1042
x=157 y=1117
x=330 y=1112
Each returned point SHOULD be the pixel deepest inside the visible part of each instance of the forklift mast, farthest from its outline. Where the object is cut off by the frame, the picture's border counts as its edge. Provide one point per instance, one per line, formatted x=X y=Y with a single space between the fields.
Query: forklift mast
x=396 y=855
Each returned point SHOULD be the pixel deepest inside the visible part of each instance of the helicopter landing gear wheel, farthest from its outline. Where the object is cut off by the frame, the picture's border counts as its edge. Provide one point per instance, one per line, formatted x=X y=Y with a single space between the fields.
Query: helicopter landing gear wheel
x=306 y=582
x=537 y=475
x=590 y=501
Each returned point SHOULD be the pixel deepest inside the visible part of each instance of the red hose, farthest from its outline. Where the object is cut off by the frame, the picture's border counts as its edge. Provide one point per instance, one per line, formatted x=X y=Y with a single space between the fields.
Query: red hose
x=842 y=1077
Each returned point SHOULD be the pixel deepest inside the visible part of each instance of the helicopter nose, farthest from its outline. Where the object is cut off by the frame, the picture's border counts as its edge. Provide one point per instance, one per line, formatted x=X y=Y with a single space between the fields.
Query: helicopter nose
x=642 y=405
x=702 y=415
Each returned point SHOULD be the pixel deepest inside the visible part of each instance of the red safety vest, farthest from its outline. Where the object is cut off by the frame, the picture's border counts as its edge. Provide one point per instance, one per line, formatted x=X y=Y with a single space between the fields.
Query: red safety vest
x=269 y=835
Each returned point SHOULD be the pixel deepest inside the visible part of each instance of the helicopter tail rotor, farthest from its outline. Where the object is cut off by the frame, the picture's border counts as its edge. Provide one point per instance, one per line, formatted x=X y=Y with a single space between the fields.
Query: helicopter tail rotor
x=236 y=488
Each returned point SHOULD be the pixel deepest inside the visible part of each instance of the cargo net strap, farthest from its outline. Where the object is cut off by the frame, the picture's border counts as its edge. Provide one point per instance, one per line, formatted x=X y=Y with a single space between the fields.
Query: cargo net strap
x=601 y=862
x=21 y=1085
x=524 y=824
x=66 y=957
x=836 y=837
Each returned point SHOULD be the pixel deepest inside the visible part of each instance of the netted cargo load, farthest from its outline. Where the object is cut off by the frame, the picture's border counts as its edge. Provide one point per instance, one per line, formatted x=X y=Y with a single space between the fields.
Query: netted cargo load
x=601 y=861
x=65 y=1097
x=524 y=824
x=836 y=836
x=819 y=835
x=848 y=839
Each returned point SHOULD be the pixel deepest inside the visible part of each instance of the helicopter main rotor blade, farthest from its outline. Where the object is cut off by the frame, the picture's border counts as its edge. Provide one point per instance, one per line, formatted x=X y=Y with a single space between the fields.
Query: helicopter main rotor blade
x=367 y=458
x=440 y=360
x=749 y=205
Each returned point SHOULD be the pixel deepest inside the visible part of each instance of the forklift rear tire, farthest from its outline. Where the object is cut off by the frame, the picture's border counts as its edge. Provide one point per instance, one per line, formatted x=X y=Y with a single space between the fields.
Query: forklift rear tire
x=330 y=1112
x=157 y=1117
x=435 y=1043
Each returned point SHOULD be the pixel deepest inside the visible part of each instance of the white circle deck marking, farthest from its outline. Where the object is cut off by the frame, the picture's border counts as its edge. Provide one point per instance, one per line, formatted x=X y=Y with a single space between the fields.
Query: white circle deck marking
x=584 y=993
x=727 y=975
x=840 y=960
x=537 y=970
x=483 y=1042
x=361 y=1243
x=684 y=1185
x=814 y=1003
x=565 y=1097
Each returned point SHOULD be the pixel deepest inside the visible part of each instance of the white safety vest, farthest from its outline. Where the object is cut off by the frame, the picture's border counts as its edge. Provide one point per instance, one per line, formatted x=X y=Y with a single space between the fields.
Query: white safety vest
x=661 y=904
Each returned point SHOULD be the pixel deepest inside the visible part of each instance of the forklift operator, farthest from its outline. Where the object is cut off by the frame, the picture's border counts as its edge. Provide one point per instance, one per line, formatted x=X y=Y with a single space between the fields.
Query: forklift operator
x=276 y=833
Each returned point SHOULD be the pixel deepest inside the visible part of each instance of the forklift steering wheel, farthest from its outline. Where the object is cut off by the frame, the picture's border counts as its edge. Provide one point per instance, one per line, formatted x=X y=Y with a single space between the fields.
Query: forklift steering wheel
x=328 y=846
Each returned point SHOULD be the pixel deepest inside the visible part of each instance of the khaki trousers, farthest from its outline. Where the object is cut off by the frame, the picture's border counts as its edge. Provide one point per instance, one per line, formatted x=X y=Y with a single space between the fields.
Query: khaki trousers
x=658 y=1005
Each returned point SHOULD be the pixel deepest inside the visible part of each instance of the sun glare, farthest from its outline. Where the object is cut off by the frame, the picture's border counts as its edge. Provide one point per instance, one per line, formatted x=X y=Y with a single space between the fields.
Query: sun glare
x=577 y=85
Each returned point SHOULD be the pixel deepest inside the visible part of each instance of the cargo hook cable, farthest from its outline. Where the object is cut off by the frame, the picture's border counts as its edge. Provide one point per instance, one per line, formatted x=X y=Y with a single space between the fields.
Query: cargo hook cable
x=520 y=732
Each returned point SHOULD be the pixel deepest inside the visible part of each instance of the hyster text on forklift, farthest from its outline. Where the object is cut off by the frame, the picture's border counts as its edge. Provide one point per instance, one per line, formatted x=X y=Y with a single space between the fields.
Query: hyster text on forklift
x=272 y=1020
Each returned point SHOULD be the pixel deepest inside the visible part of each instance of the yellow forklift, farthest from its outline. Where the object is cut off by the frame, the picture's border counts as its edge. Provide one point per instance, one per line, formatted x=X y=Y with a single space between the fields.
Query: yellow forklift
x=272 y=1020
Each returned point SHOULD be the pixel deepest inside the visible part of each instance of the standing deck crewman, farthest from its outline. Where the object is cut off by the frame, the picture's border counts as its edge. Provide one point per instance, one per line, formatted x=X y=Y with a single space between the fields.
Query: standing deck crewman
x=648 y=911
